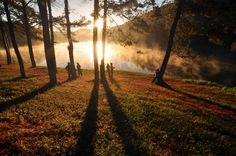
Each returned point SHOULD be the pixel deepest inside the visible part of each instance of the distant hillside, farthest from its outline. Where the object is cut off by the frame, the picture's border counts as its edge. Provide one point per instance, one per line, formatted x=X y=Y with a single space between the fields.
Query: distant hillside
x=20 y=35
x=77 y=36
x=81 y=35
x=149 y=30
x=197 y=53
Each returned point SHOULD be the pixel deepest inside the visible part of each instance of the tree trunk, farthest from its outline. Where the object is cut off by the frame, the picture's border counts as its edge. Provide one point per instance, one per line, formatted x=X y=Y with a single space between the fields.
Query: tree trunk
x=95 y=39
x=13 y=39
x=102 y=70
x=49 y=53
x=28 y=33
x=5 y=42
x=170 y=42
x=51 y=24
x=70 y=48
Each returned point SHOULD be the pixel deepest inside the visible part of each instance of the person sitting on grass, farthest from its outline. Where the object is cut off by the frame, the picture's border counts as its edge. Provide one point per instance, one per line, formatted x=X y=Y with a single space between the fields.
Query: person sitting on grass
x=156 y=75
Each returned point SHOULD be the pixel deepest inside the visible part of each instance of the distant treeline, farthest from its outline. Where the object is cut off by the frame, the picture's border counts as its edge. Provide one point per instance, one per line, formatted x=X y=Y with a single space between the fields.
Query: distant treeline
x=20 y=35
x=203 y=22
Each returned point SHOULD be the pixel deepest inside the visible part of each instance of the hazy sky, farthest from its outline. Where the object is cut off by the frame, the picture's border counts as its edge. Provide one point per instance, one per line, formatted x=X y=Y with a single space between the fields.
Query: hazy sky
x=79 y=8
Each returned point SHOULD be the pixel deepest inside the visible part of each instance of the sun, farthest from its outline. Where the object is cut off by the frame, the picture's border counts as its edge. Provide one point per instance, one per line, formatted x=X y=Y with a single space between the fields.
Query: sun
x=99 y=24
x=108 y=52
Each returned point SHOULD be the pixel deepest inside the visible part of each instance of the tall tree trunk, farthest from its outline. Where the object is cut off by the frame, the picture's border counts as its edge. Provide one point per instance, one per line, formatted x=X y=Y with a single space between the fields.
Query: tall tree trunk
x=51 y=24
x=49 y=53
x=95 y=39
x=13 y=39
x=70 y=48
x=170 y=42
x=102 y=70
x=28 y=33
x=5 y=42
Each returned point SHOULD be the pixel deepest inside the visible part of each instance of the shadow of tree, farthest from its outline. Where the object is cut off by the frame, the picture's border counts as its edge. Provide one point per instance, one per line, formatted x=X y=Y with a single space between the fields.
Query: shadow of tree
x=13 y=79
x=26 y=97
x=221 y=105
x=85 y=144
x=125 y=130
x=113 y=81
x=18 y=78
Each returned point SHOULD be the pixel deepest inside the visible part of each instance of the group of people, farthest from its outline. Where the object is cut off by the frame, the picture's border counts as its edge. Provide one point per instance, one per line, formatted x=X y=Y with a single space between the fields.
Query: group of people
x=110 y=69
x=70 y=70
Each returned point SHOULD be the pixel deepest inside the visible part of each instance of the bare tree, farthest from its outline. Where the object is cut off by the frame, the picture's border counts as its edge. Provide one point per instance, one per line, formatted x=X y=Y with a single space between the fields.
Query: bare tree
x=95 y=40
x=102 y=70
x=49 y=53
x=70 y=47
x=13 y=39
x=28 y=32
x=5 y=42
x=170 y=42
x=51 y=23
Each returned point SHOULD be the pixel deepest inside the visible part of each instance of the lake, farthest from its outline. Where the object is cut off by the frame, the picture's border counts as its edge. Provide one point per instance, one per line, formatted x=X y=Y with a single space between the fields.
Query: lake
x=138 y=59
x=123 y=58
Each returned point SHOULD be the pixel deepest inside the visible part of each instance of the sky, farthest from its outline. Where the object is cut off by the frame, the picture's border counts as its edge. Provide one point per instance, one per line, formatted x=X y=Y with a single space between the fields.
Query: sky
x=77 y=7
x=81 y=8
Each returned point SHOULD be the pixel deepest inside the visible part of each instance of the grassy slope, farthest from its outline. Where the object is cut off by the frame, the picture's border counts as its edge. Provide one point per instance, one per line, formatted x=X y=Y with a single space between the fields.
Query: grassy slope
x=132 y=115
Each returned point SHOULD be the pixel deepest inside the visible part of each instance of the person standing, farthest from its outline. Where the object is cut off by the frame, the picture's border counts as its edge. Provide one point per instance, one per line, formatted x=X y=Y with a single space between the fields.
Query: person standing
x=68 y=68
x=79 y=70
x=112 y=68
x=108 y=70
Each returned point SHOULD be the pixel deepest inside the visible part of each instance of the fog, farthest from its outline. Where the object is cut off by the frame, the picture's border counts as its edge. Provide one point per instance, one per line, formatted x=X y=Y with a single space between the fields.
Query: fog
x=138 y=59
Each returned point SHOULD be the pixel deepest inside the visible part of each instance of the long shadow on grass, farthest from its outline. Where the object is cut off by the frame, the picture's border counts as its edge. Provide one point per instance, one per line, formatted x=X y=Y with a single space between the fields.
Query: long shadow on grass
x=19 y=78
x=27 y=96
x=125 y=130
x=13 y=79
x=221 y=105
x=113 y=81
x=85 y=144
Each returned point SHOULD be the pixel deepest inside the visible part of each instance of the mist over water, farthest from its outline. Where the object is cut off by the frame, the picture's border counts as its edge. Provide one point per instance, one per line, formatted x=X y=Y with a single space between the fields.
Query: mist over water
x=138 y=59
x=121 y=57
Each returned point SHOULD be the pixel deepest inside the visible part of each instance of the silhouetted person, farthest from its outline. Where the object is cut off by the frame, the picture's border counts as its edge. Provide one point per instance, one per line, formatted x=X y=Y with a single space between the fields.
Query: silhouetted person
x=69 y=70
x=156 y=75
x=112 y=68
x=108 y=70
x=79 y=70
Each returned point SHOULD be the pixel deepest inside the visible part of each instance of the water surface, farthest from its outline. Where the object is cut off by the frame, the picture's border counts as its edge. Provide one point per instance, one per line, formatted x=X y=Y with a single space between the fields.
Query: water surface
x=123 y=58
x=138 y=59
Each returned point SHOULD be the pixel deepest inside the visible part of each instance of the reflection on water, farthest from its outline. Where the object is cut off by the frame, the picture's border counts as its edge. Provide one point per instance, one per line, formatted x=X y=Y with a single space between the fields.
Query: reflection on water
x=121 y=57
x=138 y=59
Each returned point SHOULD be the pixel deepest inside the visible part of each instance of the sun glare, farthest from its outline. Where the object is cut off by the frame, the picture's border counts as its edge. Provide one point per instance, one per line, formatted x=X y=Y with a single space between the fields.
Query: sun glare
x=108 y=52
x=99 y=24
x=99 y=46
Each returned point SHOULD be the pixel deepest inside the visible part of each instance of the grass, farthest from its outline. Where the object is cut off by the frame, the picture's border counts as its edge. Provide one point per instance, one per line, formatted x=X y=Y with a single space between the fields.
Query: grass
x=130 y=116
